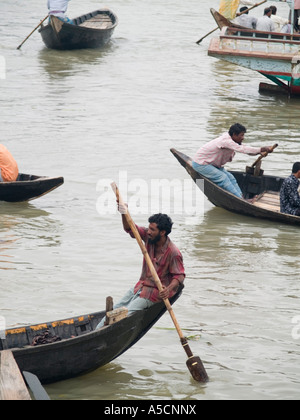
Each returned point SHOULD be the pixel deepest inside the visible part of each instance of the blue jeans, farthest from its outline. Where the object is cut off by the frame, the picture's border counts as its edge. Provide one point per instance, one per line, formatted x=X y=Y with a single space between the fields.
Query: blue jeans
x=133 y=302
x=219 y=176
x=65 y=20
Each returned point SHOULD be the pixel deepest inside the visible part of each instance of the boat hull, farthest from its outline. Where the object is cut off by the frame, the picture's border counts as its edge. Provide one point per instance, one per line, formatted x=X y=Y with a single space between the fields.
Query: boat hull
x=64 y=36
x=82 y=349
x=28 y=187
x=250 y=185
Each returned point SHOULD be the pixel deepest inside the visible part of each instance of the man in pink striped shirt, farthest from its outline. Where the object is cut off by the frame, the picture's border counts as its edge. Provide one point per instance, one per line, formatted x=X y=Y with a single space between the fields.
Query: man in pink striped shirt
x=167 y=260
x=210 y=159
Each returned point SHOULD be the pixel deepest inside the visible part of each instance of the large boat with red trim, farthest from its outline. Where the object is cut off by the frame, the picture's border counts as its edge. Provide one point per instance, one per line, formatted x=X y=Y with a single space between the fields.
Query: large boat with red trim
x=274 y=55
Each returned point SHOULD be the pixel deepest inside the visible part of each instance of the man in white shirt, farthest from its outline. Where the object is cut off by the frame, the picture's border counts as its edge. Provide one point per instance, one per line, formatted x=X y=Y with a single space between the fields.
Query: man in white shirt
x=265 y=23
x=245 y=20
x=58 y=8
x=278 y=21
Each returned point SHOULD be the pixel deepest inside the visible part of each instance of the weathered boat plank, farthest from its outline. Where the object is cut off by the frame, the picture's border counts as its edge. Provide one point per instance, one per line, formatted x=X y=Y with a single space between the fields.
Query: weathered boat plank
x=12 y=385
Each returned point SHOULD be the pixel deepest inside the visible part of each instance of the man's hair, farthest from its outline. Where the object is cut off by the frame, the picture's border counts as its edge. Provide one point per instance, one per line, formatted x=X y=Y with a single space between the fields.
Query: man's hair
x=267 y=10
x=274 y=9
x=237 y=129
x=163 y=221
x=242 y=9
x=296 y=167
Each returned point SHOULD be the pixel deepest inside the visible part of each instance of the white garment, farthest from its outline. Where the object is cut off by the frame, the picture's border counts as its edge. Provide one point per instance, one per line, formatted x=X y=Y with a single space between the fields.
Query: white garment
x=279 y=22
x=265 y=24
x=246 y=21
x=58 y=7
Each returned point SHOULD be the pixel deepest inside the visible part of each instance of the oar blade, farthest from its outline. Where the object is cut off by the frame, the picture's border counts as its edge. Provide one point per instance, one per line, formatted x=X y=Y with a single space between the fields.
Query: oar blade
x=197 y=369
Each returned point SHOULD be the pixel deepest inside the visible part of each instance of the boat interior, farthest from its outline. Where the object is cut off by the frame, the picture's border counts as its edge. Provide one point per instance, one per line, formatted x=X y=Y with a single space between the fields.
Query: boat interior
x=95 y=20
x=264 y=190
x=23 y=337
x=25 y=177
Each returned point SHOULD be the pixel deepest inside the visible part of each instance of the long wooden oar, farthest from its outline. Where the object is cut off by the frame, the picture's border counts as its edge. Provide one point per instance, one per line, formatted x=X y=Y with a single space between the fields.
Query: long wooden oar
x=238 y=14
x=194 y=363
x=42 y=21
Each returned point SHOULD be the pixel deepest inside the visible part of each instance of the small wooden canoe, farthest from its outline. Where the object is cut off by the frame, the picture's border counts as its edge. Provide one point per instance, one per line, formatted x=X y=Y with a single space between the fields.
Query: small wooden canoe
x=81 y=348
x=265 y=188
x=92 y=30
x=28 y=187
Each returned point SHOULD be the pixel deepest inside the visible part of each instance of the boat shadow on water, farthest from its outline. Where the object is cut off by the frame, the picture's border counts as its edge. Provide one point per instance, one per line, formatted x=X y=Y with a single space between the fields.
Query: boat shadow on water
x=61 y=64
x=21 y=210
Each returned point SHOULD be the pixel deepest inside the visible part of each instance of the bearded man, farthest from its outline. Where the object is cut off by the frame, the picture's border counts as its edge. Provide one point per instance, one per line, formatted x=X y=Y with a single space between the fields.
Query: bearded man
x=167 y=260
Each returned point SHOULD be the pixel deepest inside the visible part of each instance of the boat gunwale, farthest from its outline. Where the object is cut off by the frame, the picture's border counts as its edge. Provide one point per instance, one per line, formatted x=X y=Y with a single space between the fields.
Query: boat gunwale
x=31 y=181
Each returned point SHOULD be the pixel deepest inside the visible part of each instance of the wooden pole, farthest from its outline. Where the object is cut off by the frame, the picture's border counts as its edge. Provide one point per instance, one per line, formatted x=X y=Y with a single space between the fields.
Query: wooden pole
x=42 y=21
x=12 y=385
x=238 y=14
x=194 y=363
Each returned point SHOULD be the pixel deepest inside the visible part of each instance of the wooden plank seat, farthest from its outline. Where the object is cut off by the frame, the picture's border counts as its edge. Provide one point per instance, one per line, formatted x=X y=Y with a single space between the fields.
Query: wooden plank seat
x=269 y=200
x=98 y=22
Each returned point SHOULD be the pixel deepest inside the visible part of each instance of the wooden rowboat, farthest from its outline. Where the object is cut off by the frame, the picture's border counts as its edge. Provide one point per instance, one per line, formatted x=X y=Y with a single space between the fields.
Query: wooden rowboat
x=265 y=188
x=28 y=187
x=81 y=348
x=92 y=30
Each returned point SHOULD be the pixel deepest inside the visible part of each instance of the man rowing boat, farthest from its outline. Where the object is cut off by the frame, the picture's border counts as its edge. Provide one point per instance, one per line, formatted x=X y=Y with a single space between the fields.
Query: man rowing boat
x=167 y=260
x=210 y=159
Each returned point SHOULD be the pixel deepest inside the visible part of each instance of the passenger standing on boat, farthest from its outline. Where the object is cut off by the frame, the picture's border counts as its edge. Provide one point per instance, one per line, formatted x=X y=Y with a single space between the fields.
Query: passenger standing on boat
x=58 y=8
x=246 y=20
x=289 y=195
x=210 y=159
x=9 y=170
x=166 y=258
x=279 y=21
x=265 y=22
